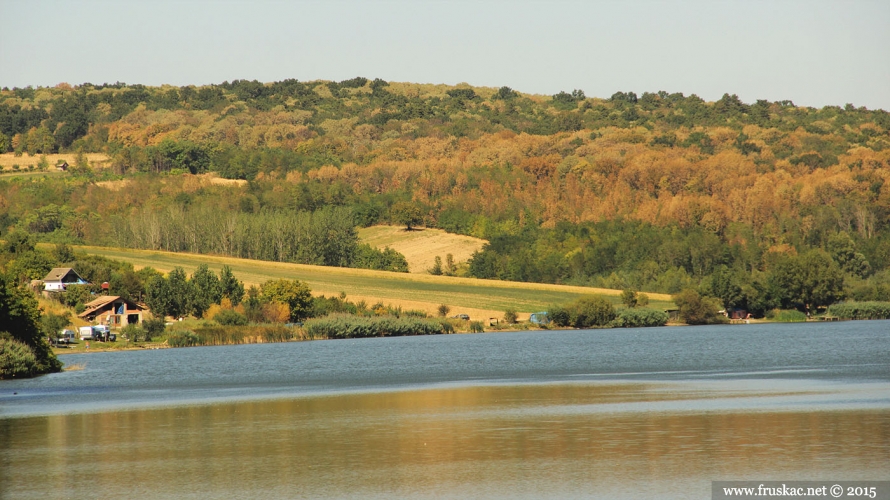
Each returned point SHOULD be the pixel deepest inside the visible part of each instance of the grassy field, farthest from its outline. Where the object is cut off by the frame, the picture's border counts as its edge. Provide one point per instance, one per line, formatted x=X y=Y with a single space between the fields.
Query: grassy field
x=421 y=246
x=7 y=160
x=481 y=299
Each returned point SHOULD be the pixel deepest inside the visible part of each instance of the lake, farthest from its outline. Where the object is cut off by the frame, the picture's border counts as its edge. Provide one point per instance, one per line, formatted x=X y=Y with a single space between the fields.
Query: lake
x=629 y=413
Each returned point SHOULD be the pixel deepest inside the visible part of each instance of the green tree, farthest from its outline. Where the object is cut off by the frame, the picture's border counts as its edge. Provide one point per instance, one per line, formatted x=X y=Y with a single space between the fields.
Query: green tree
x=592 y=311
x=18 y=241
x=510 y=315
x=51 y=324
x=843 y=251
x=450 y=267
x=63 y=253
x=206 y=290
x=181 y=293
x=169 y=296
x=823 y=280
x=294 y=293
x=725 y=288
x=697 y=310
x=407 y=214
x=436 y=270
x=230 y=287
x=629 y=298
x=20 y=321
x=806 y=282
x=127 y=285
x=157 y=296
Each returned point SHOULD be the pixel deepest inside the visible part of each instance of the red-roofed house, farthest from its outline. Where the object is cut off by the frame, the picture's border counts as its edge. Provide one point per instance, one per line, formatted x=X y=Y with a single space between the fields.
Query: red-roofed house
x=113 y=311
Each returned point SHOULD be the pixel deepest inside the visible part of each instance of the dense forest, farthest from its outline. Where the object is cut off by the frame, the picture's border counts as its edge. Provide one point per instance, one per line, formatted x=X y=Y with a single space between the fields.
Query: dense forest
x=762 y=205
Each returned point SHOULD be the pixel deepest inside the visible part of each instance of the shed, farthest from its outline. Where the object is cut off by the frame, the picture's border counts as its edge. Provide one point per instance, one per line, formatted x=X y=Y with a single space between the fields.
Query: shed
x=113 y=311
x=60 y=277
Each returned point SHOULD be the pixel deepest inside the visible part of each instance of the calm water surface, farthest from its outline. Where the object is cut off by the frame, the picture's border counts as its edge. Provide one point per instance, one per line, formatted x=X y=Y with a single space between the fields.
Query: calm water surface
x=649 y=413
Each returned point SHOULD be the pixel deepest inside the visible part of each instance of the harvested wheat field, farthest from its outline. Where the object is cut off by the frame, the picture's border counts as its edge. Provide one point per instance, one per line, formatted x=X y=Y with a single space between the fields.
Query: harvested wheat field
x=481 y=299
x=420 y=246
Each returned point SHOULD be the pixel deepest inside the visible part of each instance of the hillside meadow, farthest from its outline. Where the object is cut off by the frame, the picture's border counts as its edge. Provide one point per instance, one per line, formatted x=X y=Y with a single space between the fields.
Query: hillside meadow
x=421 y=246
x=479 y=298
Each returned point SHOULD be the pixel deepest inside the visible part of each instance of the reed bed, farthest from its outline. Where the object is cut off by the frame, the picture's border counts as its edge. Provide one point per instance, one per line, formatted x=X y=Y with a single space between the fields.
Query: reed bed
x=230 y=335
x=343 y=326
x=860 y=310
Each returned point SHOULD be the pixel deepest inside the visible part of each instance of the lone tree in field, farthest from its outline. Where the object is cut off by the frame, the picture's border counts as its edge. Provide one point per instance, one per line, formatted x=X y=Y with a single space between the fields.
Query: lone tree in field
x=407 y=214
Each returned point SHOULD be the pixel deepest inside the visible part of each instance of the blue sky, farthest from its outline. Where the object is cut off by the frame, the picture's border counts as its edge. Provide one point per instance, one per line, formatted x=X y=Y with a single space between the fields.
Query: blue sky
x=813 y=52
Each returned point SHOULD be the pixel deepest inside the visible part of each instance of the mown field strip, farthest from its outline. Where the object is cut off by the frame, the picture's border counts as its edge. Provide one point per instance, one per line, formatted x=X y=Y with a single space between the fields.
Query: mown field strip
x=385 y=286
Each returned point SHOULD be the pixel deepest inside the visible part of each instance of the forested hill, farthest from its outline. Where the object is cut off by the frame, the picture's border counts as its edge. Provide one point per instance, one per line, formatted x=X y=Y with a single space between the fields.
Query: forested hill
x=657 y=191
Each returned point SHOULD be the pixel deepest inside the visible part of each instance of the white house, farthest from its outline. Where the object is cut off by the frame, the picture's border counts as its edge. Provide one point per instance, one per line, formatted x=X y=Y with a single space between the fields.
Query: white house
x=61 y=277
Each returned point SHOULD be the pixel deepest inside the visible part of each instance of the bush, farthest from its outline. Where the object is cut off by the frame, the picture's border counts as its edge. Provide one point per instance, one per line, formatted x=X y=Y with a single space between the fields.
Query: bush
x=629 y=298
x=443 y=310
x=183 y=338
x=477 y=327
x=640 y=317
x=510 y=316
x=134 y=332
x=17 y=360
x=154 y=327
x=559 y=315
x=698 y=310
x=583 y=313
x=592 y=311
x=860 y=310
x=347 y=327
x=786 y=316
x=230 y=317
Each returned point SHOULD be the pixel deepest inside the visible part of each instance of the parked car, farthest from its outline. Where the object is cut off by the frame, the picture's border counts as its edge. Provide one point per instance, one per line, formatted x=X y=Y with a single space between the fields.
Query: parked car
x=65 y=337
x=97 y=332
x=465 y=317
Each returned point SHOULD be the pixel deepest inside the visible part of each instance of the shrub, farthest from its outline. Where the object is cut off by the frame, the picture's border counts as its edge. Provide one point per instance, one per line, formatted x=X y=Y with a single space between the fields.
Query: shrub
x=786 y=316
x=559 y=315
x=629 y=298
x=134 y=332
x=16 y=359
x=477 y=327
x=443 y=310
x=860 y=310
x=230 y=317
x=639 y=317
x=510 y=316
x=183 y=338
x=698 y=310
x=592 y=311
x=583 y=313
x=154 y=327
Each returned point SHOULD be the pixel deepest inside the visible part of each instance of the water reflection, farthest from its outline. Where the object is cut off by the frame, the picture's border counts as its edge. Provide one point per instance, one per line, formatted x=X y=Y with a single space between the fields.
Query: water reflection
x=623 y=440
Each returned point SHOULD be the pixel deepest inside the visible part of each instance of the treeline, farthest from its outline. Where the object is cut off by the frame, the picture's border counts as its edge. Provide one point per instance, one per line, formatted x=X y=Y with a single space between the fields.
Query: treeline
x=326 y=237
x=659 y=191
x=288 y=113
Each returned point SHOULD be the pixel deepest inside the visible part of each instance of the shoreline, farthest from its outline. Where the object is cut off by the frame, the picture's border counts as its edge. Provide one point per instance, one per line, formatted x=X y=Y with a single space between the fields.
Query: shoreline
x=154 y=346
